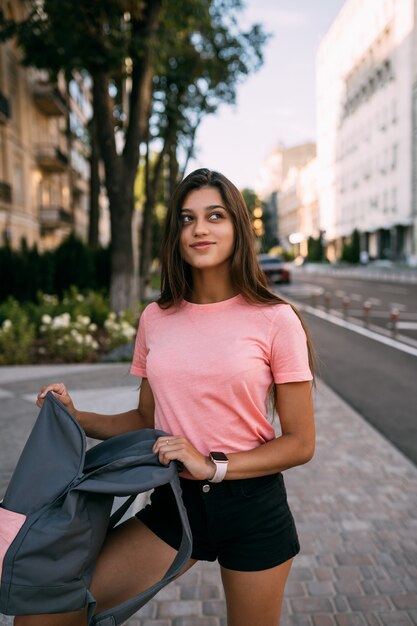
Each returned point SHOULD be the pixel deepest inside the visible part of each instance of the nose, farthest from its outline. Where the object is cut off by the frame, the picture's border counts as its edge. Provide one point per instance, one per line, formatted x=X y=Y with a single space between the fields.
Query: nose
x=200 y=227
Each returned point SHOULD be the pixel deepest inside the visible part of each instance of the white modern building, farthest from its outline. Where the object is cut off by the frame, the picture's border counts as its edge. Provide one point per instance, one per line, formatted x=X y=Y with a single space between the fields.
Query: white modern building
x=367 y=128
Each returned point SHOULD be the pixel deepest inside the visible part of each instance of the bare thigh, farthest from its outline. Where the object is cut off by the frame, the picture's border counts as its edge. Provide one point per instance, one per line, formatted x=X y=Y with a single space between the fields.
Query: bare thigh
x=133 y=558
x=255 y=598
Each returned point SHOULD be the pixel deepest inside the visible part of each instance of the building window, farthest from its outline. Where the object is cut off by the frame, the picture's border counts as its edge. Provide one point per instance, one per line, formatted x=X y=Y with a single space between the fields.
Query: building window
x=18 y=184
x=394 y=156
x=394 y=112
x=385 y=207
x=394 y=199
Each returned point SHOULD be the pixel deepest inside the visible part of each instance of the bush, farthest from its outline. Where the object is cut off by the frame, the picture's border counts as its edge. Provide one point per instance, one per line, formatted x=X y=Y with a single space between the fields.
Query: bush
x=17 y=334
x=351 y=250
x=25 y=272
x=314 y=249
x=78 y=327
x=69 y=339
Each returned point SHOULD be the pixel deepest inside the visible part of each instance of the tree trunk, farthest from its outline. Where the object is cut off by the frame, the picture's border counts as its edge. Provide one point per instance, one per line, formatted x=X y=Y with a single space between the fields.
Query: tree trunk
x=124 y=285
x=151 y=194
x=121 y=169
x=94 y=215
x=173 y=167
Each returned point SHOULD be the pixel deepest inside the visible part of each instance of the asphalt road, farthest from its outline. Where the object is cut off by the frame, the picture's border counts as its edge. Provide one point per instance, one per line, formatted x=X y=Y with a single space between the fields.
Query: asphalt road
x=379 y=381
x=335 y=292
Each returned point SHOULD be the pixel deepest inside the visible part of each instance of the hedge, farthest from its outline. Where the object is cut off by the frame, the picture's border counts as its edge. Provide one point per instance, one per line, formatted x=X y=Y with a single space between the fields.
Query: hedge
x=25 y=272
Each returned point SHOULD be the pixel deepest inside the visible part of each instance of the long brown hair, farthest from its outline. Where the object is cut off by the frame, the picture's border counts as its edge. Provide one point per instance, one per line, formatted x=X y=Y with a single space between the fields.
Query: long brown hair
x=247 y=276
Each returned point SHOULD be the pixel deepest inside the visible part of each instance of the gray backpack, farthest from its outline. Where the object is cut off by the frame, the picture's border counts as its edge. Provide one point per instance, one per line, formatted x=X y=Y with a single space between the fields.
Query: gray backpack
x=57 y=511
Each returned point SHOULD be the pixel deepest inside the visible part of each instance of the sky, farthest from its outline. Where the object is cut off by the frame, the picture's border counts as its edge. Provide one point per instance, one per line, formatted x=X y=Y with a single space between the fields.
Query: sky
x=276 y=105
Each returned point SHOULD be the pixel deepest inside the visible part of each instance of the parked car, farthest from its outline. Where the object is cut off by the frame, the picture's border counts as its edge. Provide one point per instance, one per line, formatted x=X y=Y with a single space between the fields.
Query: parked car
x=274 y=268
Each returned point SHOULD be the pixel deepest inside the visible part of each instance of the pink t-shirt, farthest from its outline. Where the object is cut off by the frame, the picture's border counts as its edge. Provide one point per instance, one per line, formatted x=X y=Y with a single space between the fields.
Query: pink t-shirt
x=210 y=366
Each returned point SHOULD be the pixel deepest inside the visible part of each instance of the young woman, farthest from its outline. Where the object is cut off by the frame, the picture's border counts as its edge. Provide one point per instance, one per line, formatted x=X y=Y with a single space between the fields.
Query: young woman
x=211 y=352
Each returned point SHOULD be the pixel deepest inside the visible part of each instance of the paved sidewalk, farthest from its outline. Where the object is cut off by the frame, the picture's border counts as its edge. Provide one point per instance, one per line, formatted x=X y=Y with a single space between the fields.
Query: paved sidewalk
x=355 y=505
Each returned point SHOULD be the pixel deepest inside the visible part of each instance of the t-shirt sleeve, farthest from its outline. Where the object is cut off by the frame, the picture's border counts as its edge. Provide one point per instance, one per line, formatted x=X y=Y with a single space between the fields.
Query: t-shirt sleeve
x=138 y=367
x=289 y=353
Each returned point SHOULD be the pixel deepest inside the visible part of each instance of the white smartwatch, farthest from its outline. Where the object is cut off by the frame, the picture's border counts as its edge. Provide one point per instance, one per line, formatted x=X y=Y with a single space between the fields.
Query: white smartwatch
x=221 y=462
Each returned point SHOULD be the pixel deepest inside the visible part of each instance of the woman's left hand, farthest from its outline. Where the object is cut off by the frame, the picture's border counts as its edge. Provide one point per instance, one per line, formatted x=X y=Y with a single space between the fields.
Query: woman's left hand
x=171 y=448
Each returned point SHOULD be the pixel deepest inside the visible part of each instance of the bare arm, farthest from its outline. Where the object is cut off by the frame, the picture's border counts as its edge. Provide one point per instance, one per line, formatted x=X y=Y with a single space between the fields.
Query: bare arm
x=294 y=447
x=101 y=426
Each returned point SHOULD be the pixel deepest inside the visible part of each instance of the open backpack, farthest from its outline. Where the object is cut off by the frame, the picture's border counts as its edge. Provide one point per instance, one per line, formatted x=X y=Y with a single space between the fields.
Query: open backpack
x=56 y=514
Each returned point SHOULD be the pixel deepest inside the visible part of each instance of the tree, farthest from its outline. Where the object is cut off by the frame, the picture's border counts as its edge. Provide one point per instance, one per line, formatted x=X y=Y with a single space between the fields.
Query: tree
x=205 y=58
x=115 y=42
x=122 y=45
x=351 y=249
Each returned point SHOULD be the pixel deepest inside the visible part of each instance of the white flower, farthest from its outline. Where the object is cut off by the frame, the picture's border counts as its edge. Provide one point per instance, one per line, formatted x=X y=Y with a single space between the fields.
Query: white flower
x=111 y=315
x=7 y=324
x=92 y=327
x=83 y=319
x=95 y=344
x=50 y=299
x=79 y=297
x=61 y=321
x=46 y=319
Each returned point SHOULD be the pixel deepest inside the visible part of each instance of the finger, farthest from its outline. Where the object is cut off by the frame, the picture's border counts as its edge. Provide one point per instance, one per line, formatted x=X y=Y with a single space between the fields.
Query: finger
x=58 y=388
x=162 y=442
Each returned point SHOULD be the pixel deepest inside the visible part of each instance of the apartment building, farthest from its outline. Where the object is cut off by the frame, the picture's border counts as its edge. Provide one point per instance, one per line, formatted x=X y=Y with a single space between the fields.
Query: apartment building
x=367 y=128
x=44 y=152
x=280 y=187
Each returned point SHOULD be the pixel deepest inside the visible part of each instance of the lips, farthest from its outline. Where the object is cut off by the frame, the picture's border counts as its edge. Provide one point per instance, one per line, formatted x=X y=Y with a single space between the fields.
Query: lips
x=203 y=245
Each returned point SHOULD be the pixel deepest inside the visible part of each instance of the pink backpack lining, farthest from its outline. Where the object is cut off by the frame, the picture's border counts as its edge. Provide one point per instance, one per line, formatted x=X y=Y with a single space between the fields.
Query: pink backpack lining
x=10 y=524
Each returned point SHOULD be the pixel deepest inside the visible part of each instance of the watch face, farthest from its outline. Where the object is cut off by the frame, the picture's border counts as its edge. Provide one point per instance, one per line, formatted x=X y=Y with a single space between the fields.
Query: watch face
x=218 y=456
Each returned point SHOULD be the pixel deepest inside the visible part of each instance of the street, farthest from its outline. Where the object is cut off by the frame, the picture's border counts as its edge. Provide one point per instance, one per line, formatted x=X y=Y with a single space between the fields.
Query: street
x=374 y=371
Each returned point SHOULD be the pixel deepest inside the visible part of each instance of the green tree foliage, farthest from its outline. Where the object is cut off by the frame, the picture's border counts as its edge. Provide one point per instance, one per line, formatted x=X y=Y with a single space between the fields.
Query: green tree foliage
x=205 y=57
x=314 y=249
x=351 y=249
x=115 y=42
x=157 y=67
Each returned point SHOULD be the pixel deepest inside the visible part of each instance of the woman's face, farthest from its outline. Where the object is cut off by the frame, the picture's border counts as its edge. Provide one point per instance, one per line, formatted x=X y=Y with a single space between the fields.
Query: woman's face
x=207 y=232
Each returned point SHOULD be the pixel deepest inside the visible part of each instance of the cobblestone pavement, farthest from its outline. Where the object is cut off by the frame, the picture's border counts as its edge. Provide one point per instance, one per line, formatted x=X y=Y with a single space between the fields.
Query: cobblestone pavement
x=355 y=506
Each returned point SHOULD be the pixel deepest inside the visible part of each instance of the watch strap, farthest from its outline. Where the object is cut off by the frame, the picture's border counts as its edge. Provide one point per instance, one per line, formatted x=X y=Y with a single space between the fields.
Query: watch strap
x=220 y=473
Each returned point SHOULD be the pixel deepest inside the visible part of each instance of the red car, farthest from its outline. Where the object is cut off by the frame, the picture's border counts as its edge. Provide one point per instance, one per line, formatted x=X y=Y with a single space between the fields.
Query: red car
x=274 y=268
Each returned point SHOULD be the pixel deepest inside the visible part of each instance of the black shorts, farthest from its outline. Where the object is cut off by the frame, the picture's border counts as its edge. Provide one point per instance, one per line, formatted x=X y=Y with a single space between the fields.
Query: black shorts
x=245 y=524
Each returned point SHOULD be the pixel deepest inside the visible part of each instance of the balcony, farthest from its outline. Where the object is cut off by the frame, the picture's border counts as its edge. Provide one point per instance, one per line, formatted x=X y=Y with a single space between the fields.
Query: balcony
x=53 y=217
x=48 y=99
x=5 y=113
x=5 y=192
x=50 y=158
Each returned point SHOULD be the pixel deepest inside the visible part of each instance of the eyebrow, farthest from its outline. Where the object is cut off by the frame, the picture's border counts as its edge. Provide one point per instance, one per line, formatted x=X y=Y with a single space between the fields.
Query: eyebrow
x=207 y=208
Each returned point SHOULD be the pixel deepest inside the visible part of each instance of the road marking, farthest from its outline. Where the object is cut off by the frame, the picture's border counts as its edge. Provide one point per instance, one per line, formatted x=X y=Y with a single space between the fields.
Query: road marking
x=356 y=297
x=339 y=293
x=392 y=343
x=407 y=325
x=374 y=301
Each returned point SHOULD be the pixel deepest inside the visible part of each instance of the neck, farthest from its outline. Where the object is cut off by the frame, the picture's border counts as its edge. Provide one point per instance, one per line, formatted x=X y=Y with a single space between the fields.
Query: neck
x=209 y=286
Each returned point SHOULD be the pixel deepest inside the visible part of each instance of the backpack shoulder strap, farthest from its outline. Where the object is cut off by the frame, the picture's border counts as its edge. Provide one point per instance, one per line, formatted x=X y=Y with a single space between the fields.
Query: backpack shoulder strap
x=120 y=613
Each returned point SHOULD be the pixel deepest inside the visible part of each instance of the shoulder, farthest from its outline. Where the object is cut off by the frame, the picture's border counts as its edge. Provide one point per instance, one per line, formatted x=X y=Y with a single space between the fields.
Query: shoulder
x=153 y=312
x=280 y=313
x=284 y=320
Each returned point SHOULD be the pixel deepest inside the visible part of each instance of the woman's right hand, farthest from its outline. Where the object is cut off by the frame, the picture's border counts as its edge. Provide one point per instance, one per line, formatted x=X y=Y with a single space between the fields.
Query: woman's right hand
x=60 y=392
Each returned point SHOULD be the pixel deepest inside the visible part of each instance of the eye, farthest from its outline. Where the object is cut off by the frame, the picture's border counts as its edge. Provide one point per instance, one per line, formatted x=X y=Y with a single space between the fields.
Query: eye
x=185 y=219
x=216 y=216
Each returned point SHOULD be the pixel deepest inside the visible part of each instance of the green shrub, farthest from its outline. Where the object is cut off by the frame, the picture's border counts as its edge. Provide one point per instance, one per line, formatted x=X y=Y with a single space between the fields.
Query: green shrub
x=69 y=339
x=25 y=272
x=120 y=330
x=17 y=334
